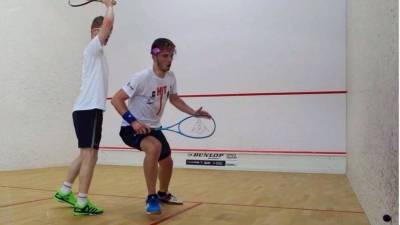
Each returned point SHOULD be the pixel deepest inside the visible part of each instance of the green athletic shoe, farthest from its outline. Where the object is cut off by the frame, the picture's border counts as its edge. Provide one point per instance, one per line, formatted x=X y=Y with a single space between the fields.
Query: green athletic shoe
x=88 y=209
x=65 y=198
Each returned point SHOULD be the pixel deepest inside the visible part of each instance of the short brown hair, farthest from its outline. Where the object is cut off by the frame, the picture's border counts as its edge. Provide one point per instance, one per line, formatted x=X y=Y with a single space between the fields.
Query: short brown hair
x=161 y=44
x=97 y=22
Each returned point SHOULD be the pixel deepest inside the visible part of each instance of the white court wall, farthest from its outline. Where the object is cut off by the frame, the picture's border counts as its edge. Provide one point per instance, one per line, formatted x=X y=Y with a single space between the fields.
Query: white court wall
x=40 y=60
x=227 y=47
x=223 y=47
x=372 y=102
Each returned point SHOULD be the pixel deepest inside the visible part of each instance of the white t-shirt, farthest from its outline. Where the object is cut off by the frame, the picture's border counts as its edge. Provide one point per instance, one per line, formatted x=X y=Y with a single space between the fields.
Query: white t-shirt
x=148 y=94
x=94 y=86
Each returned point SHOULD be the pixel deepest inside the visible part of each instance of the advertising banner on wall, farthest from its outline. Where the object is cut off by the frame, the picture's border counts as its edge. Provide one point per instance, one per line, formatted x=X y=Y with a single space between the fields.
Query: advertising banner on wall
x=211 y=159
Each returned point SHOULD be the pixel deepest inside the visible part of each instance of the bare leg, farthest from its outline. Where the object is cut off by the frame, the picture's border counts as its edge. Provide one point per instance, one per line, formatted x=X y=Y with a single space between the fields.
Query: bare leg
x=152 y=149
x=89 y=159
x=74 y=170
x=165 y=173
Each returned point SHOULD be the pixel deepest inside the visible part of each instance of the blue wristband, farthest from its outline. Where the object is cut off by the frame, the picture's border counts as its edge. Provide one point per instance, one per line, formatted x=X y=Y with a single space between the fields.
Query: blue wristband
x=128 y=117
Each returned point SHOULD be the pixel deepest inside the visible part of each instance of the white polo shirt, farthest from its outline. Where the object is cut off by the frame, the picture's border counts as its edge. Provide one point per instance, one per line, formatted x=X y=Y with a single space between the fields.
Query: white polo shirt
x=94 y=86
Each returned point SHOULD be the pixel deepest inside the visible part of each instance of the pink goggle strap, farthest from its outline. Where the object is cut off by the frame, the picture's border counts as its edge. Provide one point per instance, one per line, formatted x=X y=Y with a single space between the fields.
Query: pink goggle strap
x=155 y=51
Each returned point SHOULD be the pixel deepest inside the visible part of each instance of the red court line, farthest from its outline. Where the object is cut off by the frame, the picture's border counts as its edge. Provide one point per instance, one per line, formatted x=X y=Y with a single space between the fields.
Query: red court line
x=239 y=151
x=175 y=214
x=26 y=188
x=260 y=94
x=48 y=190
x=199 y=203
x=25 y=202
x=263 y=94
x=118 y=196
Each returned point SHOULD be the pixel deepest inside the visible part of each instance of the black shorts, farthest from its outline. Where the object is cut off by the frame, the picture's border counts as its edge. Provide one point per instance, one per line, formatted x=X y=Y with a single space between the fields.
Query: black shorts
x=133 y=140
x=88 y=125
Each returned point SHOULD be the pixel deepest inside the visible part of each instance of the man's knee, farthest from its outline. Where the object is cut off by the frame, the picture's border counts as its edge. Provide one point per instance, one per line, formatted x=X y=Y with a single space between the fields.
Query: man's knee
x=166 y=162
x=89 y=153
x=152 y=147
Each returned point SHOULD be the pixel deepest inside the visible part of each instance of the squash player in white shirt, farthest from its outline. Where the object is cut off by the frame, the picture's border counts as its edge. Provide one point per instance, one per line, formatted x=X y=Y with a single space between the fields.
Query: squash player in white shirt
x=147 y=93
x=88 y=115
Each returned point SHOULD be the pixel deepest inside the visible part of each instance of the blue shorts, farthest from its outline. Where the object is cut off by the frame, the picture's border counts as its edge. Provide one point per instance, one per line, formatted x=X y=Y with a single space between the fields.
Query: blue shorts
x=133 y=140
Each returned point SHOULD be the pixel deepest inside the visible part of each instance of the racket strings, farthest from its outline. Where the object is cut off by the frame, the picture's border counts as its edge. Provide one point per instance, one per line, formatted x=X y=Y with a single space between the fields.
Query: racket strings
x=199 y=127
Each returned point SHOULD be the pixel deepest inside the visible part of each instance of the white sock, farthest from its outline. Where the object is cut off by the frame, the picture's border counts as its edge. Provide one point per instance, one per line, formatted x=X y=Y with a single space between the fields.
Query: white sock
x=82 y=198
x=66 y=188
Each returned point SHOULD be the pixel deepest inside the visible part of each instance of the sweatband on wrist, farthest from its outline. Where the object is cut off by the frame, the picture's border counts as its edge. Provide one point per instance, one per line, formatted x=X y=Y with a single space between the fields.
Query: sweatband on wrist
x=128 y=117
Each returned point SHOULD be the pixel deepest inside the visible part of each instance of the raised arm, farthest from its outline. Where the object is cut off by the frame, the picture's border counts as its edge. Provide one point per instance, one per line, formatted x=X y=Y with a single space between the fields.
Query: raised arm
x=108 y=22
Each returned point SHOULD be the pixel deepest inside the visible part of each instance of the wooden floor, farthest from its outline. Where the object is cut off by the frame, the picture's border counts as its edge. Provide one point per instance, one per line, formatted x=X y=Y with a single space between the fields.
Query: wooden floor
x=211 y=198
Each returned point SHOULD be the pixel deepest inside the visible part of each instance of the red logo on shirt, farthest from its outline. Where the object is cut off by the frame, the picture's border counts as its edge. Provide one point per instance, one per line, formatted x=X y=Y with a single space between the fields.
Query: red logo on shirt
x=161 y=91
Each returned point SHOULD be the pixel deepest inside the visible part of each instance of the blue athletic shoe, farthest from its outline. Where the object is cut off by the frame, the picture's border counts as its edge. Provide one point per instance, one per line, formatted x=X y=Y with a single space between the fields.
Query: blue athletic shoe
x=153 y=205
